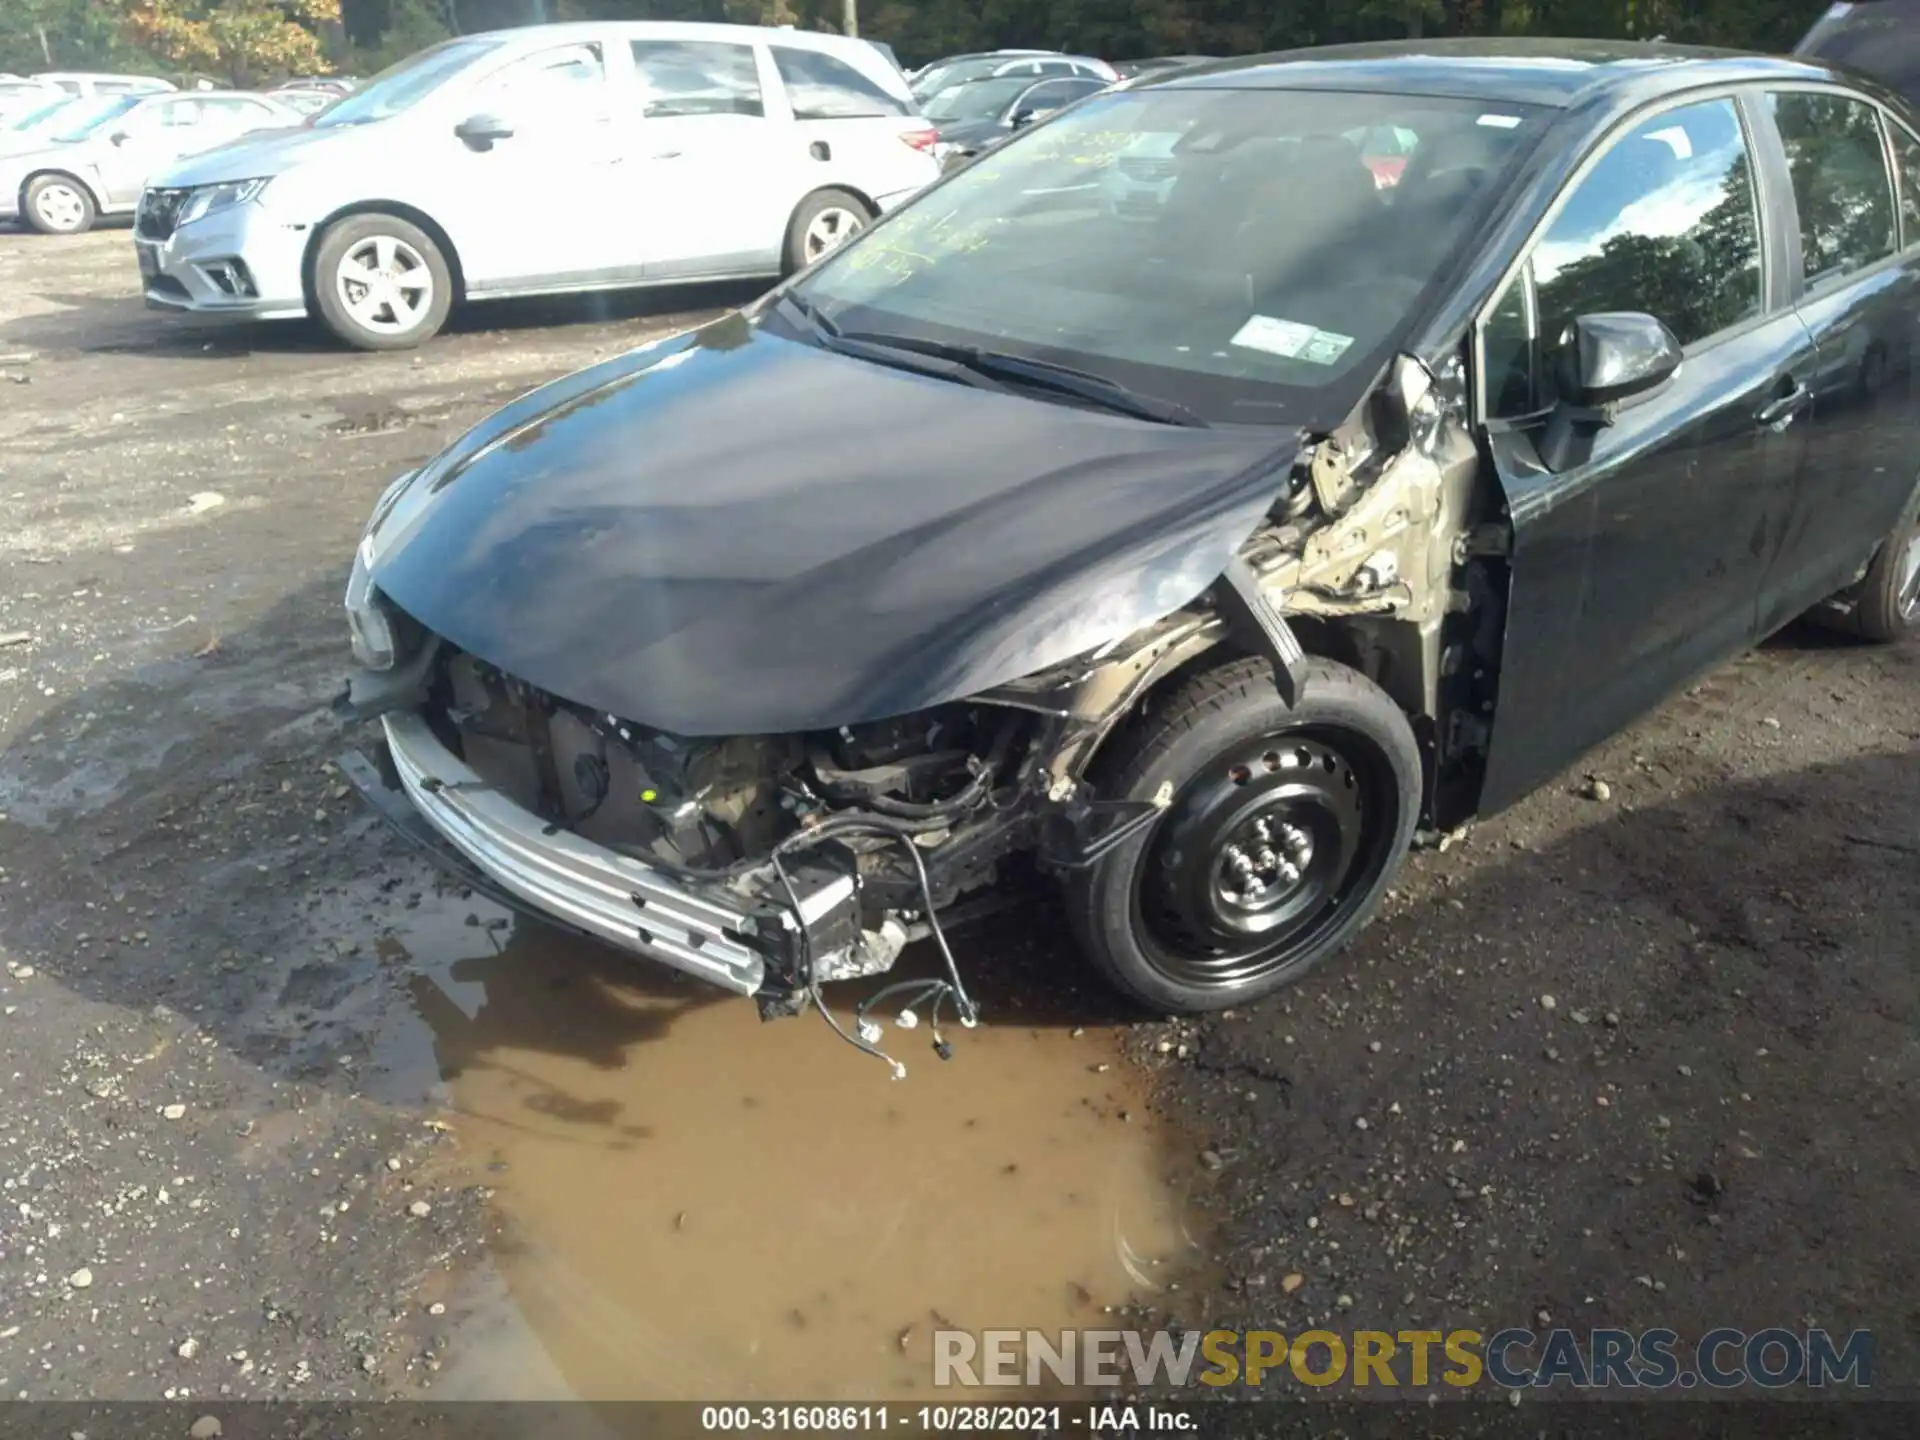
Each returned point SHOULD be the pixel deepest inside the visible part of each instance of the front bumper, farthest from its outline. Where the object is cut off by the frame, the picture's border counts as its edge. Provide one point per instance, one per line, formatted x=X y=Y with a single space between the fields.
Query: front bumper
x=239 y=261
x=513 y=856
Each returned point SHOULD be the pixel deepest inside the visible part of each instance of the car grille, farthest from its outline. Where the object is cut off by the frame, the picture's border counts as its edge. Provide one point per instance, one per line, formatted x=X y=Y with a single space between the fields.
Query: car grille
x=1145 y=168
x=159 y=212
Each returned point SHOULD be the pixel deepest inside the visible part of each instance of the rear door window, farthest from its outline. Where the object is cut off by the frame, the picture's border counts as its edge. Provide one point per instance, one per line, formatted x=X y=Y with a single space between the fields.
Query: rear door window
x=824 y=87
x=679 y=78
x=1840 y=182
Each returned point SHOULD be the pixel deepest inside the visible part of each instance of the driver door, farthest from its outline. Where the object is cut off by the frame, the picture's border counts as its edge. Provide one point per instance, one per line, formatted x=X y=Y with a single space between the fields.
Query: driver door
x=1639 y=563
x=533 y=209
x=143 y=142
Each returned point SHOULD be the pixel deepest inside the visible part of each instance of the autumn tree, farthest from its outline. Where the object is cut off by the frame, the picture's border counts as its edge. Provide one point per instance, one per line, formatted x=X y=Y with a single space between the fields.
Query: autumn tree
x=245 y=40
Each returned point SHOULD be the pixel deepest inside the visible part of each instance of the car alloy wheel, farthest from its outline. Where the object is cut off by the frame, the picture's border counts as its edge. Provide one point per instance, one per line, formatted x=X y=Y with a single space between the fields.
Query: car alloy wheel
x=60 y=206
x=1909 y=582
x=385 y=284
x=1263 y=854
x=830 y=229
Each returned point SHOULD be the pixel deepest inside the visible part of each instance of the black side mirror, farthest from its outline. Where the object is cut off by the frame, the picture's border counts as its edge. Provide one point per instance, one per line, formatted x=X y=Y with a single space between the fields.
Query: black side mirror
x=480 y=131
x=119 y=137
x=1600 y=360
x=1613 y=356
x=1022 y=118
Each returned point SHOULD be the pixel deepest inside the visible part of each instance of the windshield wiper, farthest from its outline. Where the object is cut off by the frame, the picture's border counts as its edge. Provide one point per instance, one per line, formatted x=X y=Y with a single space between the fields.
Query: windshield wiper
x=884 y=349
x=1095 y=389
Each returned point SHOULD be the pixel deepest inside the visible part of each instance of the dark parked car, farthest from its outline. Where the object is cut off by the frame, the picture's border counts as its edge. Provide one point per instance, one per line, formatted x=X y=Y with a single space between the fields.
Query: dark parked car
x=1880 y=38
x=1129 y=68
x=1203 y=558
x=980 y=114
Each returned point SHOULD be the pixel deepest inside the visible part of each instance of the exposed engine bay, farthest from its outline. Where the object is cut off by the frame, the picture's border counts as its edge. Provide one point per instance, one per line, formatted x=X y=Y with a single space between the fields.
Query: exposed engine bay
x=838 y=848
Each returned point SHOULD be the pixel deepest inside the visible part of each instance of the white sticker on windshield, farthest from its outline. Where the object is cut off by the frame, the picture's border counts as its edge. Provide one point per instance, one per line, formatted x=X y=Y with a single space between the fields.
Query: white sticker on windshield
x=1292 y=339
x=1500 y=122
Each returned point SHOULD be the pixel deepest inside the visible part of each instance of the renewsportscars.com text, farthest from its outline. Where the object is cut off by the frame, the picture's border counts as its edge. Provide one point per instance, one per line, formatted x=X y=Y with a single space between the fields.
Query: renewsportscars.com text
x=1513 y=1359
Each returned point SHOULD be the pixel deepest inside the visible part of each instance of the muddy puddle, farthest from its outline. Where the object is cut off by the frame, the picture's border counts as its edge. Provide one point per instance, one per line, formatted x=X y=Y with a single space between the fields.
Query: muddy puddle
x=694 y=1204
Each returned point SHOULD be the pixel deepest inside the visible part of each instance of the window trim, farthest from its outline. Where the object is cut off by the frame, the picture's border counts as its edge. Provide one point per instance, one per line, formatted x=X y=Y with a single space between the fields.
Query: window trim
x=1743 y=96
x=1798 y=288
x=1530 y=318
x=1889 y=124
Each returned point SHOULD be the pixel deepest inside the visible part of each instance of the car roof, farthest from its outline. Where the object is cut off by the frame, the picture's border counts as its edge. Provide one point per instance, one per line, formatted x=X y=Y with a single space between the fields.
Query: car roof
x=1559 y=73
x=533 y=36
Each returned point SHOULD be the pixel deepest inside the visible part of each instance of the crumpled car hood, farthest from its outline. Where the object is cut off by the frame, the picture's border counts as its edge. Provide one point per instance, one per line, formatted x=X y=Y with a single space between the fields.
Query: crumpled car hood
x=732 y=532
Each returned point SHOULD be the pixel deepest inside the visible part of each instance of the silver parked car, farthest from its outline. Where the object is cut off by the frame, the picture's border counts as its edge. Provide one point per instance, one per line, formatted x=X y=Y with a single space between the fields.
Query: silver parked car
x=88 y=82
x=97 y=160
x=543 y=159
x=18 y=96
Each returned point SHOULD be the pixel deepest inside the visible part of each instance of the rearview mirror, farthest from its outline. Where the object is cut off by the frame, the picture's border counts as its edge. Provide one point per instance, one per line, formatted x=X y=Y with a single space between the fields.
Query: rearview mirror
x=1023 y=117
x=1612 y=356
x=480 y=131
x=119 y=137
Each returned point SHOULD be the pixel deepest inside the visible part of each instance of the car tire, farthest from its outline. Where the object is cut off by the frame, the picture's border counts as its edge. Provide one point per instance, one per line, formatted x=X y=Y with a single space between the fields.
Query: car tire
x=381 y=283
x=823 y=222
x=1887 y=603
x=58 y=205
x=1329 y=788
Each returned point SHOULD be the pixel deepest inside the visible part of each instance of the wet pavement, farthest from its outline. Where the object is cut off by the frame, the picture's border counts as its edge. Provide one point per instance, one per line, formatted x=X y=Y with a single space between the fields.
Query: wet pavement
x=283 y=1116
x=694 y=1203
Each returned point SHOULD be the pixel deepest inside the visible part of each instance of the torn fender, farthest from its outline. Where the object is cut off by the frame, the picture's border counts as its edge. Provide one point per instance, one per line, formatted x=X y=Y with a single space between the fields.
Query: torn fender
x=738 y=533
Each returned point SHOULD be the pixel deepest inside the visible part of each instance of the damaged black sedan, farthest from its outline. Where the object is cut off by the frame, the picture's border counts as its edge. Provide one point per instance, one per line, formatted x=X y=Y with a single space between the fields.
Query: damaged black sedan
x=1198 y=496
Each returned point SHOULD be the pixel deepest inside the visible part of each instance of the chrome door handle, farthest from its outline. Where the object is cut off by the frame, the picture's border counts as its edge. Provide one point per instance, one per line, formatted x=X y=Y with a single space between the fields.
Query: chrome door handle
x=1780 y=413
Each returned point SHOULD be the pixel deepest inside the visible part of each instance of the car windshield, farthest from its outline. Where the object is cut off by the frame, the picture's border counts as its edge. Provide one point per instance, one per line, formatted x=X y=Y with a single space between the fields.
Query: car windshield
x=977 y=99
x=1156 y=239
x=401 y=86
x=85 y=120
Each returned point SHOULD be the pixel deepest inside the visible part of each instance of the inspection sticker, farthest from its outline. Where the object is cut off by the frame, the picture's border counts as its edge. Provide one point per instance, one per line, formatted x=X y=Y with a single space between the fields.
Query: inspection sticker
x=1292 y=339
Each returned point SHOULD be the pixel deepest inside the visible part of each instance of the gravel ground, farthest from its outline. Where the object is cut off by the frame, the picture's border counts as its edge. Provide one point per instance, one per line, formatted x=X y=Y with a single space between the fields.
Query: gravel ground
x=1642 y=1060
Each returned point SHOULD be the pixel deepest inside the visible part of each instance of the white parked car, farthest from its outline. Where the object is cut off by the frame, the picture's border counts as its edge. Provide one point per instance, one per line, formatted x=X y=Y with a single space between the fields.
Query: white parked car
x=95 y=157
x=86 y=82
x=17 y=96
x=548 y=158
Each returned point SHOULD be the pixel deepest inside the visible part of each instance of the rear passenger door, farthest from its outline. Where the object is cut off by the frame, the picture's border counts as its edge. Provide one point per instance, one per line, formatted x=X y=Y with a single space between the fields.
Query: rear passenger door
x=1639 y=564
x=706 y=176
x=1854 y=256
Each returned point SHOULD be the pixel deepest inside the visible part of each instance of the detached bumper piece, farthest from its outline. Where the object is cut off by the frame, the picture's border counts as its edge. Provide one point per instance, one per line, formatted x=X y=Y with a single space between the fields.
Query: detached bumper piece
x=510 y=854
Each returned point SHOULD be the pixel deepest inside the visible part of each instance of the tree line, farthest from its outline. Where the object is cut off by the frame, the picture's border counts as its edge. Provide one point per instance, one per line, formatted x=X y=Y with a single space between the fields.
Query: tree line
x=255 y=41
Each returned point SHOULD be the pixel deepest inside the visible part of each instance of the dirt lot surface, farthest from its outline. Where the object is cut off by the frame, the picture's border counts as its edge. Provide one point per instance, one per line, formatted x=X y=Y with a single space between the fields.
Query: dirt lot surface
x=279 y=1116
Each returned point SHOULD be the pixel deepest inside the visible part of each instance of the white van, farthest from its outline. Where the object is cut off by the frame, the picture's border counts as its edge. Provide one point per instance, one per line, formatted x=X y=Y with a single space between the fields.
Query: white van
x=548 y=158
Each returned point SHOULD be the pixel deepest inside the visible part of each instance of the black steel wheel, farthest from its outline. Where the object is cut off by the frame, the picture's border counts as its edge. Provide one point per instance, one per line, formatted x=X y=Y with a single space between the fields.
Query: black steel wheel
x=1285 y=827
